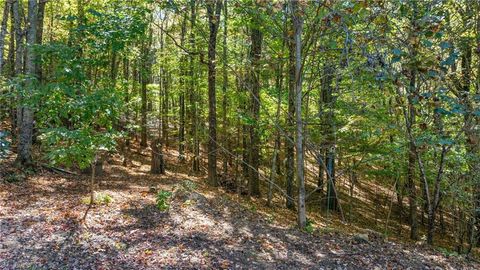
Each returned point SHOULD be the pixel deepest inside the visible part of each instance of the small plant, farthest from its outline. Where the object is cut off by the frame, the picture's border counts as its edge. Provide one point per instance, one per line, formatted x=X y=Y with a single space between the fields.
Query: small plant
x=447 y=252
x=104 y=199
x=162 y=200
x=99 y=199
x=309 y=226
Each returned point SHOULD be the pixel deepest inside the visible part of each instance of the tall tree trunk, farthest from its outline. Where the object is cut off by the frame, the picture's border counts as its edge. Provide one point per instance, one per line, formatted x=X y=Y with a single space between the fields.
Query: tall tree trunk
x=325 y=89
x=193 y=109
x=412 y=90
x=214 y=8
x=165 y=106
x=474 y=137
x=24 y=156
x=298 y=27
x=3 y=32
x=329 y=135
x=145 y=74
x=17 y=11
x=11 y=73
x=471 y=120
x=224 y=89
x=143 y=121
x=126 y=143
x=275 y=169
x=289 y=140
x=412 y=197
x=40 y=24
x=181 y=101
x=254 y=79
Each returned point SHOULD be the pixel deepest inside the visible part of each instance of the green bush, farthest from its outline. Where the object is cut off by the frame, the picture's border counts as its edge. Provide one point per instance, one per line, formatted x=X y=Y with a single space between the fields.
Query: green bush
x=309 y=226
x=162 y=200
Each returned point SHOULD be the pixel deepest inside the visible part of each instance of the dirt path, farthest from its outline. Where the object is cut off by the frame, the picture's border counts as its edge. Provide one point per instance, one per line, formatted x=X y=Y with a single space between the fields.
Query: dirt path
x=39 y=230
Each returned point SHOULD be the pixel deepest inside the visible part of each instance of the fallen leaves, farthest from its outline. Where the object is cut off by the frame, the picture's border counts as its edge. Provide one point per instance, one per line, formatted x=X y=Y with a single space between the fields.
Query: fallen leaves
x=40 y=229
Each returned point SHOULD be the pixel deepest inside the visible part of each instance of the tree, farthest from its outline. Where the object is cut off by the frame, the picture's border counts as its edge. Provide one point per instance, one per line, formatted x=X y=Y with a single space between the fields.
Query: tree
x=254 y=85
x=214 y=8
x=298 y=27
x=26 y=129
x=3 y=31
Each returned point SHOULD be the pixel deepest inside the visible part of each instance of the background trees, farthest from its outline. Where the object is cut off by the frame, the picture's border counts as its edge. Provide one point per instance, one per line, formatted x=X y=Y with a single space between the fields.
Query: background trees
x=359 y=93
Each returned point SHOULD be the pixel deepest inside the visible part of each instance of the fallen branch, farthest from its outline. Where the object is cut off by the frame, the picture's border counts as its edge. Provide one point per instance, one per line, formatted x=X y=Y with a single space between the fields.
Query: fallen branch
x=55 y=169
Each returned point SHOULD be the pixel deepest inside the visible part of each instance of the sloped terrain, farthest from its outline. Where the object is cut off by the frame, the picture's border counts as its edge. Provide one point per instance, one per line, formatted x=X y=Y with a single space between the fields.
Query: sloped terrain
x=203 y=229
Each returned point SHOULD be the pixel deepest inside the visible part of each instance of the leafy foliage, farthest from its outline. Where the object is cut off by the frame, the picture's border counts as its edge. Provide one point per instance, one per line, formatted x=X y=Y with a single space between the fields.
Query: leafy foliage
x=162 y=200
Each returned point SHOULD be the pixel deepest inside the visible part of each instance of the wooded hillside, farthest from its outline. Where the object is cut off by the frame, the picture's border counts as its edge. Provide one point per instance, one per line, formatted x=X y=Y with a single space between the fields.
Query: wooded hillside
x=330 y=115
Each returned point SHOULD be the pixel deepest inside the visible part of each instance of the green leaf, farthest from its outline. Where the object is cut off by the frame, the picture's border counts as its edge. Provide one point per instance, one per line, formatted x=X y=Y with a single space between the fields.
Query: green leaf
x=397 y=52
x=445 y=45
x=445 y=141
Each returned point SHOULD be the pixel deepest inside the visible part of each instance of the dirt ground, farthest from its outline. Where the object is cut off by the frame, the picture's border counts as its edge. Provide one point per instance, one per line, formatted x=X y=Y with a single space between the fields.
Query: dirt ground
x=203 y=229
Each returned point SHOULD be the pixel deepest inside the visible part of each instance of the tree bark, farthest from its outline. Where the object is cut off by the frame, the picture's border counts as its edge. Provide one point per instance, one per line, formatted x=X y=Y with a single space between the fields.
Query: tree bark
x=255 y=55
x=11 y=73
x=412 y=90
x=143 y=122
x=226 y=138
x=181 y=101
x=40 y=23
x=17 y=11
x=289 y=140
x=145 y=74
x=329 y=135
x=158 y=163
x=214 y=8
x=193 y=109
x=3 y=32
x=24 y=156
x=298 y=27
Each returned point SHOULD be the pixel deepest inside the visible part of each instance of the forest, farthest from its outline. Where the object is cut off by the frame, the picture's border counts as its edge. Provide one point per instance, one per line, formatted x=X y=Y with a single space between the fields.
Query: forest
x=239 y=134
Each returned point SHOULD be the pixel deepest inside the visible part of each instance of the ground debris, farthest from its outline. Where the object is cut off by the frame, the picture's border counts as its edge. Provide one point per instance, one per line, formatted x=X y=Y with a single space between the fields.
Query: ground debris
x=39 y=229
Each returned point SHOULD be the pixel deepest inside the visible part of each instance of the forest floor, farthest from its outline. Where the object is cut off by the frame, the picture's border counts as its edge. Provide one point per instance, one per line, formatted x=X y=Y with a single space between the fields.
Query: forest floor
x=204 y=228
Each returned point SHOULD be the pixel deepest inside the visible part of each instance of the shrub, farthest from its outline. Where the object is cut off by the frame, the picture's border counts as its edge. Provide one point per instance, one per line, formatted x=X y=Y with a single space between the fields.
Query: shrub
x=162 y=200
x=309 y=226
